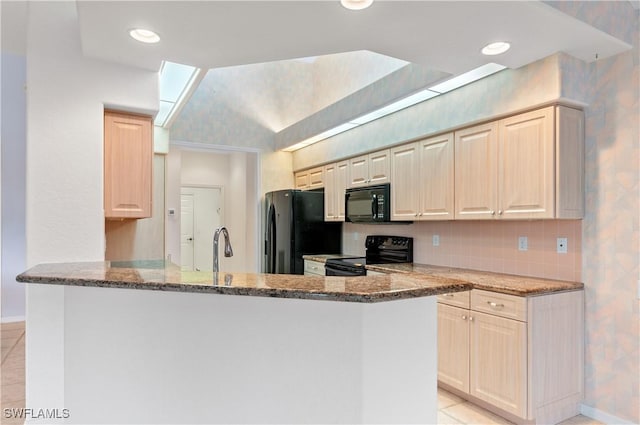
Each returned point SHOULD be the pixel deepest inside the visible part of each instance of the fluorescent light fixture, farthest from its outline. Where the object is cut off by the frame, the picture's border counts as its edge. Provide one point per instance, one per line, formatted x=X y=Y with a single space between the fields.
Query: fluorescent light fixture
x=324 y=135
x=356 y=4
x=144 y=36
x=176 y=81
x=421 y=96
x=495 y=48
x=467 y=77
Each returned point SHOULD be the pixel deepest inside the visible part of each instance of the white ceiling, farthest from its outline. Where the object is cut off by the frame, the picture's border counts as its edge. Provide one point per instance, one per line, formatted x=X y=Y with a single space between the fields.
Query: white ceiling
x=444 y=35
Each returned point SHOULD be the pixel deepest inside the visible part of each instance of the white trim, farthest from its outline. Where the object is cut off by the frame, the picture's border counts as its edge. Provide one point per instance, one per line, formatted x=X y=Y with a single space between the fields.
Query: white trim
x=12 y=319
x=211 y=148
x=601 y=416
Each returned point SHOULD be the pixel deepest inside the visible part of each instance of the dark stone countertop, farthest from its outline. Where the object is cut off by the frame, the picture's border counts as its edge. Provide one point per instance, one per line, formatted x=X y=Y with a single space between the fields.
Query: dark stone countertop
x=168 y=277
x=489 y=281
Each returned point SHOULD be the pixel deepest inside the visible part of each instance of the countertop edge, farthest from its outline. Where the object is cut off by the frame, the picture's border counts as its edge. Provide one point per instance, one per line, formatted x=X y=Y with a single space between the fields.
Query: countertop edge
x=256 y=292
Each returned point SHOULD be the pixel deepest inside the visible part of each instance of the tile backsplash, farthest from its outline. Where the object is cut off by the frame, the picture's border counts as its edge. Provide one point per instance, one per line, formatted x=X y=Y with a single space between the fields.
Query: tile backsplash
x=486 y=245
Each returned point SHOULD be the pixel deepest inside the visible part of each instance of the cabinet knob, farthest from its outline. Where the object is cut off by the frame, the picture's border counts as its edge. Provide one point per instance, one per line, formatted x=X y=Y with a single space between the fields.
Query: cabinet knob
x=500 y=212
x=471 y=318
x=416 y=214
x=420 y=214
x=447 y=295
x=464 y=317
x=495 y=305
x=493 y=212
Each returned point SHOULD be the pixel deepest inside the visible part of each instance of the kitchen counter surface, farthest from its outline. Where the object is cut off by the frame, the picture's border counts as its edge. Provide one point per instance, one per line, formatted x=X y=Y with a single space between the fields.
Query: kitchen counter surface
x=321 y=258
x=154 y=275
x=496 y=282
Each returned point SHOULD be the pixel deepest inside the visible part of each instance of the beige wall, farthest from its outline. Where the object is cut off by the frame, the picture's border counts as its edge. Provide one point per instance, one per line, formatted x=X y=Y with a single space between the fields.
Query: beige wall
x=486 y=245
x=236 y=173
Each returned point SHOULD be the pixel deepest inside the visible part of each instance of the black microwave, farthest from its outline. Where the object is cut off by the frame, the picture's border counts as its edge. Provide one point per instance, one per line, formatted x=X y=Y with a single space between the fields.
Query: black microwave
x=371 y=204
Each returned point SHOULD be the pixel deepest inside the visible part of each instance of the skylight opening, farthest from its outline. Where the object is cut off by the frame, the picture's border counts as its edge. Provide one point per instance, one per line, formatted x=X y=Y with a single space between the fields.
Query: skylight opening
x=176 y=83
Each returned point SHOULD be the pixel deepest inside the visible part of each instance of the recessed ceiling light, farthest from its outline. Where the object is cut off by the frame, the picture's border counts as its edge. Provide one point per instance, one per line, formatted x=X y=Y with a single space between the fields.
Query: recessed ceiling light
x=145 y=36
x=495 y=48
x=356 y=4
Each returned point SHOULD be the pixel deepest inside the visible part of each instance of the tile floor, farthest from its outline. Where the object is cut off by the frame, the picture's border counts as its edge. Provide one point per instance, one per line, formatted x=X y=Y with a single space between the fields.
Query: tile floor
x=12 y=370
x=451 y=409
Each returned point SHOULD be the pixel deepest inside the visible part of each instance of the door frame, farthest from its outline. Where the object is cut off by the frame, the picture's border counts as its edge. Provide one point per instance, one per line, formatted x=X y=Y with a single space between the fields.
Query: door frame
x=203 y=186
x=258 y=202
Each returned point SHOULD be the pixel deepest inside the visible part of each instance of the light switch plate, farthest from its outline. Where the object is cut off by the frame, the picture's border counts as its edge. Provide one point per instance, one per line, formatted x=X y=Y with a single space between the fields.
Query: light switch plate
x=562 y=245
x=523 y=243
x=435 y=240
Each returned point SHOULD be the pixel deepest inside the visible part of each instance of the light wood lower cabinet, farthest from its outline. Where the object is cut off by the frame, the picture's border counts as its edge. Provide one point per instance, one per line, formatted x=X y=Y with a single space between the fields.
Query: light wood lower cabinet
x=313 y=268
x=521 y=357
x=128 y=171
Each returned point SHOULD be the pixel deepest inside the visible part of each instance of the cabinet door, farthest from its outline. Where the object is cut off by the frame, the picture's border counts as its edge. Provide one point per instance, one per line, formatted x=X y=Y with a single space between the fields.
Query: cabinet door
x=316 y=178
x=359 y=171
x=330 y=210
x=476 y=172
x=128 y=155
x=436 y=178
x=526 y=164
x=499 y=362
x=453 y=346
x=379 y=167
x=302 y=180
x=342 y=169
x=405 y=187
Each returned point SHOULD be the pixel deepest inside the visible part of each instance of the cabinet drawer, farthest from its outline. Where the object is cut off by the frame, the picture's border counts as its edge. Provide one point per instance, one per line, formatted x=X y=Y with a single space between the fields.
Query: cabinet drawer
x=503 y=305
x=313 y=267
x=456 y=299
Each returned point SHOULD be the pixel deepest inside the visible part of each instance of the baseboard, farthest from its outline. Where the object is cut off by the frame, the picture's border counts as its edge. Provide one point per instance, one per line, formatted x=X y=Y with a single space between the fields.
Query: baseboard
x=11 y=319
x=601 y=416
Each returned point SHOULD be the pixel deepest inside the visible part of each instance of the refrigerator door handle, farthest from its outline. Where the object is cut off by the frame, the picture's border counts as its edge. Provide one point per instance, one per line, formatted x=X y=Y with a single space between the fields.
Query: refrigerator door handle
x=271 y=235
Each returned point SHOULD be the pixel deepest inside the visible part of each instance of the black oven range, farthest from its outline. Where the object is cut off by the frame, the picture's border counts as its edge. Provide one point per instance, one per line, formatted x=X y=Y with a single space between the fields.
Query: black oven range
x=379 y=250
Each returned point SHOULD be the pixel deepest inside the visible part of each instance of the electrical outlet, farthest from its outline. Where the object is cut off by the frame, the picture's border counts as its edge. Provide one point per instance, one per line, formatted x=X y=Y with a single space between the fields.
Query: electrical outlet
x=436 y=240
x=523 y=243
x=562 y=245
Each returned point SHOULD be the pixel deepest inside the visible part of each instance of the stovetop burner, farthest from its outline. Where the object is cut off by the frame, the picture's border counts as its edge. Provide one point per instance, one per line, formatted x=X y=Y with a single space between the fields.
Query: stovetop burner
x=379 y=250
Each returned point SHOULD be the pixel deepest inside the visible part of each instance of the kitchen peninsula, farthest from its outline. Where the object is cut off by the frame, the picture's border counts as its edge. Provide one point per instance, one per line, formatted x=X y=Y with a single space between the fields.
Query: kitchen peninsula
x=175 y=351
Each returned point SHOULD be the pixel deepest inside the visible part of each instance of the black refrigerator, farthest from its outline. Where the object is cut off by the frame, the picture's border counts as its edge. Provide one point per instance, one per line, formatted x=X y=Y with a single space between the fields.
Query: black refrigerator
x=294 y=227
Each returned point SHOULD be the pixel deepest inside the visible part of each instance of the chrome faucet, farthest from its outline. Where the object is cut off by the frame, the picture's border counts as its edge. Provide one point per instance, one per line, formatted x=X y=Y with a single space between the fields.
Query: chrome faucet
x=228 y=251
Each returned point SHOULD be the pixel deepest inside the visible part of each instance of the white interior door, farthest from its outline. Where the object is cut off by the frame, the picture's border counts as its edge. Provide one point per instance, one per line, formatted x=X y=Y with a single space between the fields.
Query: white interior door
x=186 y=231
x=205 y=217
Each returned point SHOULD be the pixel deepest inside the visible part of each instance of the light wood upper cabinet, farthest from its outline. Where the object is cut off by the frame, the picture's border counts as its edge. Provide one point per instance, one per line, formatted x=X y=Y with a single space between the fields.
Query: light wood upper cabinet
x=309 y=179
x=529 y=166
x=405 y=182
x=335 y=183
x=422 y=176
x=436 y=170
x=368 y=170
x=128 y=156
x=526 y=164
x=301 y=180
x=476 y=172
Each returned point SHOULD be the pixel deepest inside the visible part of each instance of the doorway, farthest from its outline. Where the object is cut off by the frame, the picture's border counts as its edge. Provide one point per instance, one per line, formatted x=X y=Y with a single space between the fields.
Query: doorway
x=201 y=210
